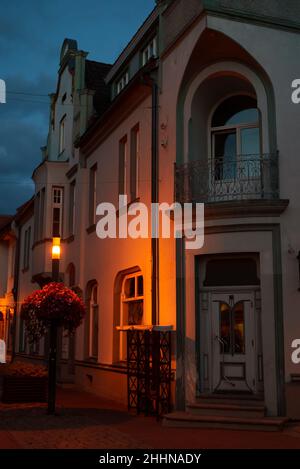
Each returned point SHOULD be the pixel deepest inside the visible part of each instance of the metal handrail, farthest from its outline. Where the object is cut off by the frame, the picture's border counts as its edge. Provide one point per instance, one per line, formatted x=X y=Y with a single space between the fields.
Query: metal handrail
x=227 y=178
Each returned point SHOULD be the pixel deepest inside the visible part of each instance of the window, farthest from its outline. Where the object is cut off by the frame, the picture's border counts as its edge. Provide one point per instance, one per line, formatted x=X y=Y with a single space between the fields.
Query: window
x=134 y=162
x=93 y=195
x=37 y=216
x=235 y=139
x=42 y=214
x=57 y=209
x=27 y=245
x=122 y=82
x=132 y=306
x=149 y=51
x=62 y=134
x=92 y=320
x=122 y=165
x=72 y=208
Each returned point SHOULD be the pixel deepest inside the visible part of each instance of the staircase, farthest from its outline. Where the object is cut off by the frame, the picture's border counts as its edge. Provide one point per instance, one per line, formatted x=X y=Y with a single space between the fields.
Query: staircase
x=229 y=412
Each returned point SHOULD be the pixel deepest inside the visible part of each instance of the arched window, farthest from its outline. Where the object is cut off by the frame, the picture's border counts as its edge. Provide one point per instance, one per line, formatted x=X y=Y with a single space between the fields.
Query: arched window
x=132 y=305
x=92 y=321
x=235 y=138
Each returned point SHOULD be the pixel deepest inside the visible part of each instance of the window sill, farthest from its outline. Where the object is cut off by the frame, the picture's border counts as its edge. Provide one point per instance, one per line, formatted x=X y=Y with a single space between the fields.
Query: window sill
x=91 y=229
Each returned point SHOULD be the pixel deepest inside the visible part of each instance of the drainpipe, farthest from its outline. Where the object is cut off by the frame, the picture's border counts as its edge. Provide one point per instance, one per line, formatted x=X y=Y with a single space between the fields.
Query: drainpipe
x=155 y=199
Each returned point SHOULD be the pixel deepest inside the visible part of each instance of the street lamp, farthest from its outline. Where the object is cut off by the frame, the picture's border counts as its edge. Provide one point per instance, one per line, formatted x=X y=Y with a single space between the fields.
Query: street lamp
x=56 y=251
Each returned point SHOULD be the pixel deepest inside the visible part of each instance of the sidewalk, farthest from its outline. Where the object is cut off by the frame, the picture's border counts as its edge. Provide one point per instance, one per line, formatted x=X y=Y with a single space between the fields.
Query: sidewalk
x=87 y=421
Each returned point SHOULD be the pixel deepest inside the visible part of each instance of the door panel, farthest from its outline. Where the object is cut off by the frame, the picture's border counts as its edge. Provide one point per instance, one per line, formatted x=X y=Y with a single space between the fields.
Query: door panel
x=233 y=337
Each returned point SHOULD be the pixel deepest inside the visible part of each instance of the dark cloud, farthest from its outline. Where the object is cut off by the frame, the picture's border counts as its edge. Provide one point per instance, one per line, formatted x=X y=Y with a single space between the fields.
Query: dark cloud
x=31 y=35
x=23 y=130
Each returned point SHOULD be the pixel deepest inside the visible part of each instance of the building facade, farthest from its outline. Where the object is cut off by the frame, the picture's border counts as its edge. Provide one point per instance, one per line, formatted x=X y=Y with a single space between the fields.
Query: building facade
x=196 y=109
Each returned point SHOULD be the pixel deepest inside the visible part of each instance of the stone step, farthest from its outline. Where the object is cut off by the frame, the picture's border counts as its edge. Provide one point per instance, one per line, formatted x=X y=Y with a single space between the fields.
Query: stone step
x=227 y=409
x=191 y=420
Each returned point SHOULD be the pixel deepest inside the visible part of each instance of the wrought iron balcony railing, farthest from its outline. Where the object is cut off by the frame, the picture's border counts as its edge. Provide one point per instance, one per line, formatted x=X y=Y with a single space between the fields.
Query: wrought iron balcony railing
x=226 y=179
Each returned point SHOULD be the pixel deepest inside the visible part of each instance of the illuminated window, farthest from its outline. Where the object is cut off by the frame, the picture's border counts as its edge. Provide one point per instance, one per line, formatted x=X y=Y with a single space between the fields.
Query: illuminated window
x=132 y=306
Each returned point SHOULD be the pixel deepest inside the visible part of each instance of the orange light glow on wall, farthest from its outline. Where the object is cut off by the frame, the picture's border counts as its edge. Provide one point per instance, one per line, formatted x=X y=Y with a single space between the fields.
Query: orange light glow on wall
x=56 y=248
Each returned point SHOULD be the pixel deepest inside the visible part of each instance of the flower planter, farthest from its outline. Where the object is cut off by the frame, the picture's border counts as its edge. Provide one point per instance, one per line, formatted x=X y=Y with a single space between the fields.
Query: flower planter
x=24 y=389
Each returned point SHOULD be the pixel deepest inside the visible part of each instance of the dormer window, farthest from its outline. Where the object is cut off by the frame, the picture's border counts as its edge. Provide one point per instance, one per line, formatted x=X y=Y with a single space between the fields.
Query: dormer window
x=122 y=82
x=149 y=51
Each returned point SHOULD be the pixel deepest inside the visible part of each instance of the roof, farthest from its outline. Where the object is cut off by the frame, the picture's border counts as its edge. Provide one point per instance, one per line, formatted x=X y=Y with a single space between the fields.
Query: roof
x=129 y=49
x=5 y=220
x=95 y=73
x=22 y=210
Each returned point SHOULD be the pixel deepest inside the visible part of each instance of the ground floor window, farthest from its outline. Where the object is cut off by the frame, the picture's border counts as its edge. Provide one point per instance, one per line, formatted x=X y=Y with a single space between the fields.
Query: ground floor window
x=132 y=305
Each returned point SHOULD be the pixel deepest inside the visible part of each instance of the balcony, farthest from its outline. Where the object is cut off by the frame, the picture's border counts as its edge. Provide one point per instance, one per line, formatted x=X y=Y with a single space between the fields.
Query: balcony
x=248 y=177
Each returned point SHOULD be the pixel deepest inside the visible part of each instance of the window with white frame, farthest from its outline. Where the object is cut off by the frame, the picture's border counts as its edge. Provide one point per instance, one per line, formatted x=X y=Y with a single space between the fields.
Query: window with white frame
x=235 y=139
x=149 y=51
x=132 y=306
x=57 y=211
x=122 y=82
x=62 y=134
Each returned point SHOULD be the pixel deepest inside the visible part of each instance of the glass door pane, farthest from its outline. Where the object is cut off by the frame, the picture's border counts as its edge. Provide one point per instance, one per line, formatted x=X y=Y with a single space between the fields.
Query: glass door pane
x=250 y=153
x=225 y=146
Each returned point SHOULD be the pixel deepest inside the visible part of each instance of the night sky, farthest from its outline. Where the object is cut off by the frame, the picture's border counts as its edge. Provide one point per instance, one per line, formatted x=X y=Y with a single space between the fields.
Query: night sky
x=31 y=35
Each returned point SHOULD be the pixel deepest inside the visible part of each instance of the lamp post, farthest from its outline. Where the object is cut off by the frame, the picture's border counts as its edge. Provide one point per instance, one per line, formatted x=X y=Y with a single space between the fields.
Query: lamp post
x=53 y=333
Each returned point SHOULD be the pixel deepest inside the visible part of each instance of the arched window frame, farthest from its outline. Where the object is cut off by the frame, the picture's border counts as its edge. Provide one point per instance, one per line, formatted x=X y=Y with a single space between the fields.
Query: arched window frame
x=234 y=128
x=125 y=303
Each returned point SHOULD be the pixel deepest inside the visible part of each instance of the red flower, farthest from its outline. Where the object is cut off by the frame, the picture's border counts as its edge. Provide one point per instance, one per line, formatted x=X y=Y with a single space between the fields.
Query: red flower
x=54 y=302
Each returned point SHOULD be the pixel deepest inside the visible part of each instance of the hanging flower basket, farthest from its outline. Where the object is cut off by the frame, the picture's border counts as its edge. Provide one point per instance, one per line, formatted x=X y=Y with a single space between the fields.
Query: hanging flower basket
x=54 y=302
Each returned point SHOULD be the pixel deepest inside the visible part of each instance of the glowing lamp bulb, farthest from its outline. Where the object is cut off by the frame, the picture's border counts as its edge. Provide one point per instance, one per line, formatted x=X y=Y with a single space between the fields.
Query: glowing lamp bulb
x=56 y=248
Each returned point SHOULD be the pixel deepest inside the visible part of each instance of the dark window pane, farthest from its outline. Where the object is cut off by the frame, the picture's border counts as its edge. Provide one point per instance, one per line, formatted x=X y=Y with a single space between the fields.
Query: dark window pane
x=236 y=110
x=225 y=155
x=140 y=286
x=135 y=312
x=130 y=287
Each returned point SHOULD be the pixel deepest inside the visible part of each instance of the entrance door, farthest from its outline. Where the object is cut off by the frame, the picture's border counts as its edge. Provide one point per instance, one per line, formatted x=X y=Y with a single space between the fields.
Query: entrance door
x=233 y=328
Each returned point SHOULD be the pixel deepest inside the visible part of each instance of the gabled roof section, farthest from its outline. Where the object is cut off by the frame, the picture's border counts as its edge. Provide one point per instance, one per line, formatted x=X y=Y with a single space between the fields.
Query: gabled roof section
x=95 y=73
